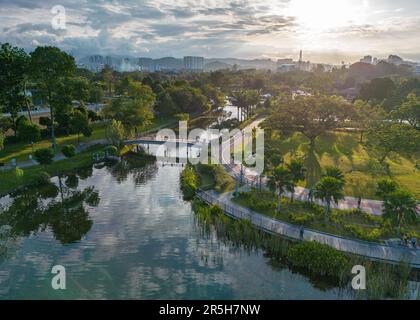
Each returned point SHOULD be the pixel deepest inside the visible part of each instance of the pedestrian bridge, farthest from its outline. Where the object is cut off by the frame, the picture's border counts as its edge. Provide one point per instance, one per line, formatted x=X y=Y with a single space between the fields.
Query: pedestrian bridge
x=159 y=140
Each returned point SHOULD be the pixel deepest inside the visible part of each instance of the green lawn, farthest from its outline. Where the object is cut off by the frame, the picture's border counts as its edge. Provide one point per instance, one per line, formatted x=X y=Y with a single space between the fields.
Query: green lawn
x=9 y=181
x=21 y=151
x=215 y=177
x=343 y=150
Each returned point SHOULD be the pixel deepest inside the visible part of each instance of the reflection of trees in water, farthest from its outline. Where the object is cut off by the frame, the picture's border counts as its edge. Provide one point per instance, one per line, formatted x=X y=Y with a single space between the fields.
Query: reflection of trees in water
x=61 y=207
x=68 y=218
x=85 y=172
x=142 y=170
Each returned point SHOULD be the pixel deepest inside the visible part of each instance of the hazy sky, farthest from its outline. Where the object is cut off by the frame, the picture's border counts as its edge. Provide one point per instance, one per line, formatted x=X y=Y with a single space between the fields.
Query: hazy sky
x=327 y=30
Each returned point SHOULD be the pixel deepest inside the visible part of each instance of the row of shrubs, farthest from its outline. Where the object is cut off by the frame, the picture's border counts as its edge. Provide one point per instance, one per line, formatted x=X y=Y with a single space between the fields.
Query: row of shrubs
x=189 y=182
x=45 y=156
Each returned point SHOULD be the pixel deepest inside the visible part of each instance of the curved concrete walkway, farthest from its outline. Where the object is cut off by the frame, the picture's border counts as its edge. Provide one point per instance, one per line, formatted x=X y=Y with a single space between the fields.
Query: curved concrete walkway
x=371 y=250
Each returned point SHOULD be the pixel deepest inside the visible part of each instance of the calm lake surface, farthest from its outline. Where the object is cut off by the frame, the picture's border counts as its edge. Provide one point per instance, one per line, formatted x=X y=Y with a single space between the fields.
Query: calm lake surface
x=124 y=232
x=142 y=242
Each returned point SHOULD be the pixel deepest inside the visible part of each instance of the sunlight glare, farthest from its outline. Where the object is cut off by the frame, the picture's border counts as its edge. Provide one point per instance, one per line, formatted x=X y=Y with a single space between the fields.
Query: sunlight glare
x=324 y=15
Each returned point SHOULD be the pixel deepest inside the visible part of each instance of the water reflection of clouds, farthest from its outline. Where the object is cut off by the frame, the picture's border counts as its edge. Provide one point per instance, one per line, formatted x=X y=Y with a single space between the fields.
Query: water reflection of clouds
x=143 y=244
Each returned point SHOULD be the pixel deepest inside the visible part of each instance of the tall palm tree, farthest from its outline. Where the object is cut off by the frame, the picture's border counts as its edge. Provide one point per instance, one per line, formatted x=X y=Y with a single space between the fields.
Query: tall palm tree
x=329 y=189
x=334 y=172
x=281 y=181
x=385 y=187
x=400 y=207
x=245 y=100
x=298 y=172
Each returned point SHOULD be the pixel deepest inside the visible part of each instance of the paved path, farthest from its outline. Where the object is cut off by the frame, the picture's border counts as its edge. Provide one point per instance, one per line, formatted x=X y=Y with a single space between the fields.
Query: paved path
x=371 y=250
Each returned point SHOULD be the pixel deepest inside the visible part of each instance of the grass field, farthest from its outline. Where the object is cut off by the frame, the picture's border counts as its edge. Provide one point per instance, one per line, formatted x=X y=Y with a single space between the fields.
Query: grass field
x=21 y=151
x=343 y=150
x=9 y=181
x=215 y=177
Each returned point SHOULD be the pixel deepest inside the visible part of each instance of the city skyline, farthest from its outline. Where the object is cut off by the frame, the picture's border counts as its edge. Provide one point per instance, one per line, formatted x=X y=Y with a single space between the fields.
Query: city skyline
x=327 y=31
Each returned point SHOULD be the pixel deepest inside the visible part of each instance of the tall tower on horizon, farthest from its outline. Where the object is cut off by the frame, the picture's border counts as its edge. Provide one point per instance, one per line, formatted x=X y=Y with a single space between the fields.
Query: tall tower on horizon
x=300 y=57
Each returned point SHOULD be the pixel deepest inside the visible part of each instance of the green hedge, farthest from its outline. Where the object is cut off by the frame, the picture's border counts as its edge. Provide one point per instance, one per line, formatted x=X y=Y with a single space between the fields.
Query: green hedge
x=189 y=182
x=318 y=258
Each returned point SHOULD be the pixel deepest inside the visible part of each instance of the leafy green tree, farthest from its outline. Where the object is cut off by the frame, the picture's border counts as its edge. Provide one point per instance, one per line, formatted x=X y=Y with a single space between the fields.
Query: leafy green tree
x=1 y=140
x=79 y=123
x=297 y=172
x=216 y=97
x=386 y=138
x=182 y=116
x=409 y=111
x=400 y=208
x=166 y=106
x=44 y=156
x=366 y=116
x=133 y=114
x=377 y=89
x=96 y=92
x=115 y=133
x=280 y=181
x=13 y=76
x=329 y=189
x=108 y=77
x=69 y=151
x=135 y=109
x=312 y=116
x=188 y=99
x=80 y=88
x=5 y=124
x=385 y=187
x=51 y=70
x=45 y=121
x=28 y=132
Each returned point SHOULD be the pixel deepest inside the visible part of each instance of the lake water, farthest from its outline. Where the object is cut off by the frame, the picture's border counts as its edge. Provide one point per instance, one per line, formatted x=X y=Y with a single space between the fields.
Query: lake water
x=140 y=241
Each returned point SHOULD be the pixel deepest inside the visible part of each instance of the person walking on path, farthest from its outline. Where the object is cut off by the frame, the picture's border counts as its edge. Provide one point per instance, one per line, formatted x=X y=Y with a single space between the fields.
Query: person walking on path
x=310 y=195
x=405 y=240
x=414 y=242
x=301 y=231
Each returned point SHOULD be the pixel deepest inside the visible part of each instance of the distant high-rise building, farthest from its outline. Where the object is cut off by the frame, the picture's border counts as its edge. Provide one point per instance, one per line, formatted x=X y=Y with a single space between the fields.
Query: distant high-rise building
x=300 y=57
x=193 y=63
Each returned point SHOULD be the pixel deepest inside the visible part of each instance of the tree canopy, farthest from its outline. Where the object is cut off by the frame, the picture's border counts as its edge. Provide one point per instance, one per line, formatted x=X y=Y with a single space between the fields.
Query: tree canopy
x=310 y=115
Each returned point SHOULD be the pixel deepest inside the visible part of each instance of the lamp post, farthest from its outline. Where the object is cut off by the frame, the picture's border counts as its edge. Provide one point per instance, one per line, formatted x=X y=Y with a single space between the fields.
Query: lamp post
x=237 y=184
x=242 y=173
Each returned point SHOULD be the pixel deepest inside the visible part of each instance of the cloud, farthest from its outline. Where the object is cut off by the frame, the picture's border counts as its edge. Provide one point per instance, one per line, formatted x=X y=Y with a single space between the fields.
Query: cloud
x=205 y=27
